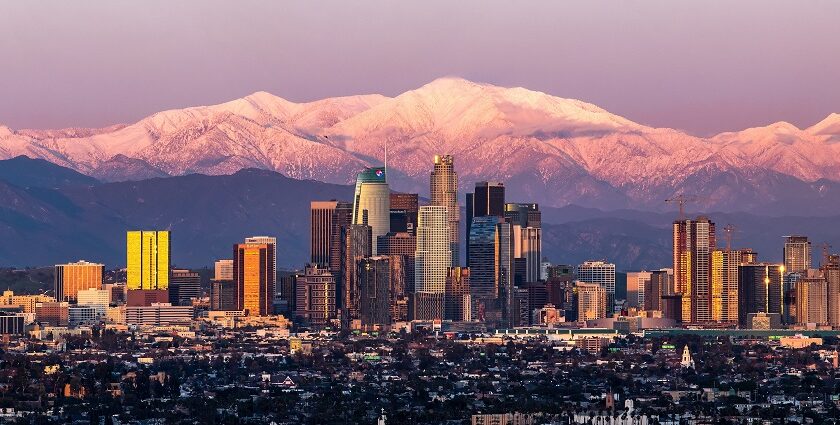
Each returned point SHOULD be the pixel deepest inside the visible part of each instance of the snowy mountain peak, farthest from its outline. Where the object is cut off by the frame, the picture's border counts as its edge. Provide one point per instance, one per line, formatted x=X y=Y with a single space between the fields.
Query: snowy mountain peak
x=829 y=126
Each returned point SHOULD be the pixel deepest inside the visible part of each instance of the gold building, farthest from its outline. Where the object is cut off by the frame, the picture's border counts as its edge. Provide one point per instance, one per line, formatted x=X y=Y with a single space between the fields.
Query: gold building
x=147 y=259
x=71 y=278
x=254 y=277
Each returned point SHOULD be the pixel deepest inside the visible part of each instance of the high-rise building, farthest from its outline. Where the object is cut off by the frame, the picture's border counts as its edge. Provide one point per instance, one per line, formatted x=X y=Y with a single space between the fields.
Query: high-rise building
x=487 y=200
x=636 y=284
x=316 y=296
x=323 y=220
x=491 y=260
x=356 y=245
x=401 y=244
x=404 y=208
x=655 y=287
x=724 y=285
x=831 y=273
x=759 y=290
x=374 y=277
x=372 y=195
x=602 y=273
x=223 y=270
x=147 y=259
x=444 y=193
x=457 y=304
x=399 y=297
x=527 y=252
x=268 y=240
x=592 y=301
x=184 y=286
x=812 y=300
x=797 y=254
x=694 y=241
x=255 y=277
x=342 y=217
x=71 y=278
x=524 y=215
x=222 y=295
x=432 y=257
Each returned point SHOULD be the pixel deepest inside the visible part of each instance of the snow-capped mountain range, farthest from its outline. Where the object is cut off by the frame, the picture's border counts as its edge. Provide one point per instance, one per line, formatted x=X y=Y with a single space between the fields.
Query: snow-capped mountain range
x=546 y=149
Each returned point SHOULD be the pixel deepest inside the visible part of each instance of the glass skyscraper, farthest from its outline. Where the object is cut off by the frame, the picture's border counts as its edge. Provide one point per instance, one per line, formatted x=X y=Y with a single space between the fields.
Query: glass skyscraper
x=147 y=259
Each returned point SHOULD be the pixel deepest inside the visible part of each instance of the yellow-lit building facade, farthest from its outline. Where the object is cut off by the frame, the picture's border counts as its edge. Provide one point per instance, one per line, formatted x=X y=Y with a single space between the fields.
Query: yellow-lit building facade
x=254 y=277
x=147 y=259
x=725 y=264
x=74 y=277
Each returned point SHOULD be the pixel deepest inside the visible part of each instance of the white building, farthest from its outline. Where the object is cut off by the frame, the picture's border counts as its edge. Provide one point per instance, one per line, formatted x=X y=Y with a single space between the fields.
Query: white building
x=602 y=273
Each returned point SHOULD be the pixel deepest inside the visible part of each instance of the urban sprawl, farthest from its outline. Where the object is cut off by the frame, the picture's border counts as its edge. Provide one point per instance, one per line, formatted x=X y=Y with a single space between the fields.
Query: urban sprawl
x=394 y=321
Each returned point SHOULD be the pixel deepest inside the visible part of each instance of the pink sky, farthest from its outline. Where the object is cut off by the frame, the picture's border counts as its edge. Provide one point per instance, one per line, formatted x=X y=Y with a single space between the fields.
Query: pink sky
x=700 y=66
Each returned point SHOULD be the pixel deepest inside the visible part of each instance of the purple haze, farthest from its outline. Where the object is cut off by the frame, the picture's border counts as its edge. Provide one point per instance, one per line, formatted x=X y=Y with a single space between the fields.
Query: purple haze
x=701 y=66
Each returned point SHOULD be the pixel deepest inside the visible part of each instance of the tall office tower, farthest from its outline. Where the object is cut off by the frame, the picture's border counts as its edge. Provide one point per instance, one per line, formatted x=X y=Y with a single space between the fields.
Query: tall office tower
x=456 y=300
x=342 y=216
x=255 y=277
x=403 y=215
x=789 y=281
x=223 y=269
x=759 y=291
x=527 y=252
x=184 y=286
x=71 y=278
x=444 y=192
x=147 y=259
x=222 y=295
x=592 y=301
x=401 y=244
x=399 y=297
x=831 y=273
x=432 y=258
x=487 y=200
x=491 y=262
x=315 y=296
x=372 y=195
x=797 y=254
x=636 y=284
x=655 y=287
x=724 y=286
x=324 y=217
x=356 y=245
x=559 y=288
x=602 y=273
x=693 y=244
x=374 y=277
x=812 y=300
x=525 y=215
x=268 y=240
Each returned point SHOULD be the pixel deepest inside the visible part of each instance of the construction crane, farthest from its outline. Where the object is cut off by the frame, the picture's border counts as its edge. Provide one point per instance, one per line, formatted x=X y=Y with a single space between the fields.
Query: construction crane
x=681 y=200
x=729 y=229
x=826 y=247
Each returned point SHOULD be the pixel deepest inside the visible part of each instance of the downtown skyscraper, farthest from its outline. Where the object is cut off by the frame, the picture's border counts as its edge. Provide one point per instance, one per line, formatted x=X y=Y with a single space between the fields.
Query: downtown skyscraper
x=797 y=254
x=488 y=199
x=693 y=242
x=372 y=202
x=254 y=277
x=432 y=260
x=147 y=259
x=444 y=193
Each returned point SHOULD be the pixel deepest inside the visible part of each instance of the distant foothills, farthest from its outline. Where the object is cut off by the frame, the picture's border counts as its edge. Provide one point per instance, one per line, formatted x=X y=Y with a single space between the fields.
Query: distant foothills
x=51 y=215
x=550 y=150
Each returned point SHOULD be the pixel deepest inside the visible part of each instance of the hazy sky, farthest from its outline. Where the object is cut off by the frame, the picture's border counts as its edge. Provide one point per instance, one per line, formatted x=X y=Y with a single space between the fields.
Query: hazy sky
x=701 y=66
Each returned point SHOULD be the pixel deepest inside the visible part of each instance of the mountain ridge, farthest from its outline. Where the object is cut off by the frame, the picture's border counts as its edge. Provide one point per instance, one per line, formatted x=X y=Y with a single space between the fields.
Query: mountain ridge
x=560 y=151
